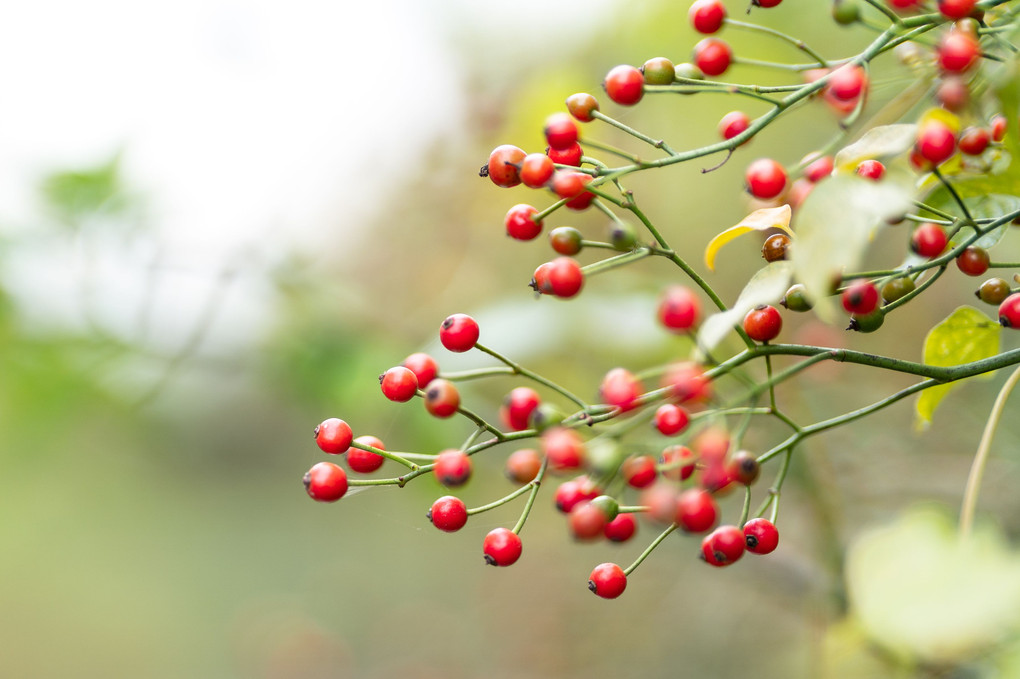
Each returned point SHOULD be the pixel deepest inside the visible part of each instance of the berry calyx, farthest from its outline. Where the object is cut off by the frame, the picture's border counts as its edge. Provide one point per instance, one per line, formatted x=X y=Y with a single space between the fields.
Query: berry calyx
x=707 y=16
x=765 y=178
x=761 y=536
x=560 y=131
x=1009 y=311
x=501 y=547
x=696 y=511
x=860 y=297
x=582 y=105
x=625 y=85
x=448 y=514
x=679 y=308
x=333 y=436
x=365 y=461
x=763 y=323
x=929 y=240
x=712 y=56
x=723 y=546
x=441 y=398
x=607 y=580
x=503 y=165
x=973 y=261
x=325 y=482
x=671 y=419
x=519 y=223
x=452 y=468
x=459 y=333
x=399 y=384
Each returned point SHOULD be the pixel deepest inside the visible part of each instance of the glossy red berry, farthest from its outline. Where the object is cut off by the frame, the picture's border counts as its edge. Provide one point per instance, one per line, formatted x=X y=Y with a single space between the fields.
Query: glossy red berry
x=620 y=388
x=518 y=406
x=904 y=4
x=765 y=178
x=733 y=123
x=566 y=240
x=502 y=547
x=441 y=398
x=448 y=513
x=671 y=419
x=621 y=529
x=423 y=366
x=861 y=297
x=723 y=546
x=573 y=492
x=936 y=142
x=848 y=82
x=1009 y=311
x=536 y=170
x=325 y=482
x=570 y=156
x=399 y=384
x=763 y=323
x=607 y=580
x=567 y=184
x=687 y=381
x=519 y=223
x=766 y=3
x=565 y=278
x=625 y=85
x=956 y=9
x=929 y=240
x=564 y=448
x=707 y=16
x=958 y=51
x=560 y=131
x=744 y=468
x=587 y=521
x=870 y=169
x=459 y=333
x=974 y=141
x=761 y=536
x=677 y=463
x=818 y=169
x=503 y=165
x=973 y=261
x=452 y=468
x=523 y=465
x=998 y=127
x=639 y=471
x=365 y=461
x=679 y=308
x=712 y=56
x=582 y=105
x=333 y=436
x=540 y=279
x=696 y=511
x=716 y=476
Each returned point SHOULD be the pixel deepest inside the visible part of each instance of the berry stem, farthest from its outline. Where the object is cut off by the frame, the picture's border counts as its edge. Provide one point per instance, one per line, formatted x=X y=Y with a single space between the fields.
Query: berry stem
x=476 y=374
x=501 y=501
x=385 y=453
x=535 y=484
x=659 y=144
x=955 y=195
x=648 y=550
x=518 y=369
x=880 y=6
x=746 y=509
x=610 y=263
x=799 y=44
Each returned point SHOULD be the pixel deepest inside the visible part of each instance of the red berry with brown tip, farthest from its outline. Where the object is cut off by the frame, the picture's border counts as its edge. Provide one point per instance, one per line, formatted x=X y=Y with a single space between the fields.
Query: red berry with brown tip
x=452 y=468
x=459 y=333
x=333 y=436
x=502 y=547
x=399 y=384
x=744 y=468
x=448 y=514
x=1009 y=311
x=763 y=323
x=723 y=546
x=325 y=482
x=861 y=297
x=503 y=165
x=607 y=580
x=761 y=536
x=625 y=85
x=441 y=398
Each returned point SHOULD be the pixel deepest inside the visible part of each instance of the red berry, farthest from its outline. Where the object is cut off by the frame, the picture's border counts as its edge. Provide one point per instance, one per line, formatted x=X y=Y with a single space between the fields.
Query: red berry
x=581 y=202
x=607 y=580
x=540 y=279
x=707 y=16
x=716 y=477
x=765 y=178
x=712 y=56
x=582 y=105
x=958 y=51
x=423 y=366
x=625 y=85
x=763 y=323
x=733 y=123
x=567 y=184
x=765 y=3
x=671 y=419
x=326 y=482
x=441 y=398
x=929 y=240
x=565 y=278
x=696 y=510
x=365 y=461
x=522 y=466
x=974 y=141
x=712 y=444
x=671 y=460
x=536 y=170
x=973 y=261
x=1009 y=311
x=688 y=382
x=448 y=513
x=399 y=384
x=502 y=547
x=638 y=471
x=861 y=297
x=953 y=93
x=621 y=529
x=571 y=493
x=560 y=131
x=998 y=127
x=848 y=82
x=452 y=468
x=723 y=546
x=679 y=308
x=904 y=4
x=870 y=169
x=620 y=388
x=760 y=536
x=518 y=406
x=956 y=9
x=459 y=333
x=519 y=223
x=936 y=142
x=333 y=436
x=563 y=447
x=566 y=240
x=587 y=521
x=744 y=468
x=570 y=156
x=818 y=169
x=503 y=165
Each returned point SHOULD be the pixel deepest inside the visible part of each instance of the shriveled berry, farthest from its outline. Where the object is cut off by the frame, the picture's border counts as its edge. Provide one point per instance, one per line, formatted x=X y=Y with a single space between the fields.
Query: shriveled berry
x=333 y=436
x=448 y=514
x=760 y=536
x=607 y=580
x=502 y=547
x=459 y=333
x=452 y=468
x=325 y=482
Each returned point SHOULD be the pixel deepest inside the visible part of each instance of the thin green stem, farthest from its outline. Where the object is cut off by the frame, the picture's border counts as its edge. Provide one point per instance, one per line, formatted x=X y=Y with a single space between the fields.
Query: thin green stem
x=955 y=195
x=501 y=501
x=651 y=548
x=535 y=377
x=799 y=44
x=610 y=263
x=476 y=374
x=535 y=484
x=656 y=143
x=385 y=453
x=746 y=510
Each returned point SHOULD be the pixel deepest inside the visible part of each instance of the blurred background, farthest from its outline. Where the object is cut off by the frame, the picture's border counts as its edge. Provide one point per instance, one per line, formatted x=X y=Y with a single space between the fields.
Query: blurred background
x=220 y=221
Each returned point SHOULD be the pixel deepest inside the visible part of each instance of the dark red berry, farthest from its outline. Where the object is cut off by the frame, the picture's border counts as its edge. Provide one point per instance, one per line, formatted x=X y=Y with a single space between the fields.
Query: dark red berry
x=763 y=323
x=671 y=419
x=502 y=547
x=1009 y=311
x=441 y=398
x=333 y=436
x=523 y=465
x=861 y=297
x=560 y=131
x=870 y=169
x=365 y=461
x=540 y=279
x=696 y=511
x=625 y=85
x=973 y=261
x=993 y=291
x=733 y=123
x=677 y=463
x=519 y=223
x=448 y=513
x=744 y=468
x=399 y=384
x=459 y=333
x=536 y=170
x=564 y=448
x=723 y=546
x=760 y=536
x=712 y=56
x=707 y=16
x=452 y=468
x=582 y=105
x=607 y=580
x=765 y=178
x=326 y=482
x=679 y=308
x=503 y=165
x=621 y=529
x=929 y=240
x=639 y=471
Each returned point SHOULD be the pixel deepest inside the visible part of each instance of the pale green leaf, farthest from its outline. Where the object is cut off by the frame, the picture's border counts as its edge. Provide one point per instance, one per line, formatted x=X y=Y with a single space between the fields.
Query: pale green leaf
x=877 y=143
x=966 y=335
x=766 y=287
x=759 y=220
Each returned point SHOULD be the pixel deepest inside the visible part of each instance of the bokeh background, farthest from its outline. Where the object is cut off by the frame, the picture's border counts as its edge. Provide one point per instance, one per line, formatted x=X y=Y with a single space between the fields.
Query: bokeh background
x=220 y=221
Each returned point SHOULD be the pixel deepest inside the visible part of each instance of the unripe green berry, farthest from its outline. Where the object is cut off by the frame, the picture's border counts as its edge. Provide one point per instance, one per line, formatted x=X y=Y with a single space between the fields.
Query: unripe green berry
x=845 y=12
x=544 y=416
x=689 y=71
x=868 y=323
x=658 y=71
x=897 y=288
x=993 y=291
x=607 y=505
x=796 y=299
x=622 y=236
x=565 y=240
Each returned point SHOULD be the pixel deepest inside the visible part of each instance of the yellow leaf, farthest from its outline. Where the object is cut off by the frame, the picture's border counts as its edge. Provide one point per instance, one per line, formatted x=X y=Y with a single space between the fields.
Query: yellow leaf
x=759 y=220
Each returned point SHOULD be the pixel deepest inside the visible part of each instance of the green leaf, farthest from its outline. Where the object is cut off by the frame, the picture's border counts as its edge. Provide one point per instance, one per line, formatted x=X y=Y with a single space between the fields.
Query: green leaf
x=759 y=220
x=922 y=593
x=966 y=335
x=766 y=287
x=76 y=193
x=878 y=142
x=834 y=226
